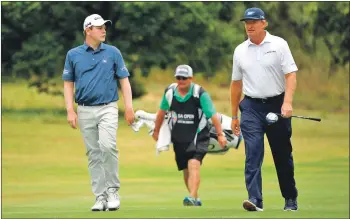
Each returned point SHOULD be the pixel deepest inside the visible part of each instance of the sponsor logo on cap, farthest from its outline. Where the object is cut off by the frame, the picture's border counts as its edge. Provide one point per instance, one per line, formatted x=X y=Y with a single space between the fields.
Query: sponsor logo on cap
x=250 y=12
x=182 y=69
x=88 y=24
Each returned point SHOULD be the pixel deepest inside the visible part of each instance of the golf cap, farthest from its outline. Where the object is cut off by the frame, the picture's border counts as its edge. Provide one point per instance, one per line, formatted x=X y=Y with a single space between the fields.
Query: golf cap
x=253 y=14
x=94 y=20
x=184 y=71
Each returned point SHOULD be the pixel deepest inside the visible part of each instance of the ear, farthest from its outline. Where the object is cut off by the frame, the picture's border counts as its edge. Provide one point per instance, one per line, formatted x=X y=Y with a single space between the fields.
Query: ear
x=266 y=24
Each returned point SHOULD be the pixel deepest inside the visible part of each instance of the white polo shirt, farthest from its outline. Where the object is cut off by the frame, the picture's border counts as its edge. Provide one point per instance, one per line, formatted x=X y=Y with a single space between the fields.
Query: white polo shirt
x=263 y=67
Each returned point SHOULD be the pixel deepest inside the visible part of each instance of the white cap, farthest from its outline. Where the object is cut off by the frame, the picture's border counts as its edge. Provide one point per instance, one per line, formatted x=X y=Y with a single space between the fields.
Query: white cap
x=184 y=70
x=94 y=20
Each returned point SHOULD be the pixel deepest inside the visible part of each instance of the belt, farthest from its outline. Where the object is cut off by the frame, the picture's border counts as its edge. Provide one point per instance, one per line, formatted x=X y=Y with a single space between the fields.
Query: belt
x=267 y=99
x=97 y=104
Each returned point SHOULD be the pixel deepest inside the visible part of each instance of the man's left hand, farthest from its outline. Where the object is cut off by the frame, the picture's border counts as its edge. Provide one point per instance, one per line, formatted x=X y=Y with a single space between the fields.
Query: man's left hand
x=287 y=110
x=222 y=141
x=129 y=115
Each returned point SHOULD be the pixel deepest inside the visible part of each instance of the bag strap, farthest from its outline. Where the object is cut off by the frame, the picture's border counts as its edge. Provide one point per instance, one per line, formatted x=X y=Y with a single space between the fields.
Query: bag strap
x=196 y=93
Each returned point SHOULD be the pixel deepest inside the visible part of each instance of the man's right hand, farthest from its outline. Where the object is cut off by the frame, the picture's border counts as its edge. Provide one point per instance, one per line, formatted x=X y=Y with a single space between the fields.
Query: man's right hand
x=235 y=127
x=155 y=135
x=72 y=119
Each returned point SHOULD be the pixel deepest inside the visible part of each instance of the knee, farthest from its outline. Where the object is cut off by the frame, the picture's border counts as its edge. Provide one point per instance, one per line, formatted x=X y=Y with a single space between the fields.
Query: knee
x=194 y=164
x=108 y=147
x=93 y=155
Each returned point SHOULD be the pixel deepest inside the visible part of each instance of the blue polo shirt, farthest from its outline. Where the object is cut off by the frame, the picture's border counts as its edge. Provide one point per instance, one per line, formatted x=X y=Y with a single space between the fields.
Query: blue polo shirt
x=95 y=73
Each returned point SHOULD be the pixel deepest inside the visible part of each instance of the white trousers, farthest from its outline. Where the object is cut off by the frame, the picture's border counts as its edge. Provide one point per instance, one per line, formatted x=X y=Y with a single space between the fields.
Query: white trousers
x=98 y=125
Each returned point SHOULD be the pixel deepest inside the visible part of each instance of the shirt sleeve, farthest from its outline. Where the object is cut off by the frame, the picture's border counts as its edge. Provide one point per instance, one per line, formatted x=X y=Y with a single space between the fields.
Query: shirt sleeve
x=207 y=105
x=236 y=70
x=164 y=104
x=68 y=71
x=121 y=71
x=287 y=60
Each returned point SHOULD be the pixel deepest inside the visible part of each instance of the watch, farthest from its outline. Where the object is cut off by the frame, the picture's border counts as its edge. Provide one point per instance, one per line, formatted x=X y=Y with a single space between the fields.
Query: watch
x=234 y=117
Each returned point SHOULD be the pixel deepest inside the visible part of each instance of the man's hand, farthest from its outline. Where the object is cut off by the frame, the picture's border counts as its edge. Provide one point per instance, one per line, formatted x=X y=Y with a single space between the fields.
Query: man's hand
x=155 y=135
x=72 y=119
x=129 y=115
x=222 y=141
x=235 y=127
x=287 y=110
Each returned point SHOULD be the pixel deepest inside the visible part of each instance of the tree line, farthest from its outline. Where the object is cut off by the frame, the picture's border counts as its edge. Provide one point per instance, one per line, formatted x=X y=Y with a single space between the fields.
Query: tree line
x=37 y=35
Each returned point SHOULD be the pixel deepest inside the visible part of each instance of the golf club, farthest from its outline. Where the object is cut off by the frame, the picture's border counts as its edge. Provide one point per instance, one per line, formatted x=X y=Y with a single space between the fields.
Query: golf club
x=303 y=117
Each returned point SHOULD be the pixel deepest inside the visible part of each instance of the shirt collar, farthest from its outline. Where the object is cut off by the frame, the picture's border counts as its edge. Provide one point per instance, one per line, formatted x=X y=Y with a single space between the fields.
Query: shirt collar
x=85 y=46
x=267 y=39
x=189 y=93
x=101 y=47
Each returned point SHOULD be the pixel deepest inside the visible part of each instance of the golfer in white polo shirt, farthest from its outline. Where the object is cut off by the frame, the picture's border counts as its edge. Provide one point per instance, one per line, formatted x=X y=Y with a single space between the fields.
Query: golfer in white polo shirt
x=264 y=69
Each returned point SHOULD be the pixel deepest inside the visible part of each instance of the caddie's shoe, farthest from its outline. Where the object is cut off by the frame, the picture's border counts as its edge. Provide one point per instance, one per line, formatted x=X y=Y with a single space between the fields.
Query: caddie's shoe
x=100 y=204
x=188 y=201
x=253 y=205
x=113 y=200
x=198 y=202
x=291 y=205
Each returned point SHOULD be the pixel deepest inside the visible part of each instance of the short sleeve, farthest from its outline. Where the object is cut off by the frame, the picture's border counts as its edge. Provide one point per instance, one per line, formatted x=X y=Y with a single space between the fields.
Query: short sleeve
x=121 y=70
x=164 y=105
x=287 y=61
x=236 y=70
x=68 y=71
x=207 y=105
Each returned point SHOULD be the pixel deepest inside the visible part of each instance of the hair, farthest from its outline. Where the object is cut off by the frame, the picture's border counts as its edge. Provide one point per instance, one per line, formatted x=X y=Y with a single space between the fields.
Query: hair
x=84 y=32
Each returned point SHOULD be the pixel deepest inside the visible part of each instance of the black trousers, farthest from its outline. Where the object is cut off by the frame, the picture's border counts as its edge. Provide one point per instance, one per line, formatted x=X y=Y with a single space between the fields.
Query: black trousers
x=253 y=127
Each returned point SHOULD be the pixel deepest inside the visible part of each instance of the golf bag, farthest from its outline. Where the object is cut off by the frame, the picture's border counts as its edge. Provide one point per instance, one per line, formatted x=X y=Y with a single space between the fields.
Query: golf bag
x=148 y=119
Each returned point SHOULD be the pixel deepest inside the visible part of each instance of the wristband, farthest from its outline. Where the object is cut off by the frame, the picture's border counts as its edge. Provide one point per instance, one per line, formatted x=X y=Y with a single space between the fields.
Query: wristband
x=234 y=117
x=221 y=134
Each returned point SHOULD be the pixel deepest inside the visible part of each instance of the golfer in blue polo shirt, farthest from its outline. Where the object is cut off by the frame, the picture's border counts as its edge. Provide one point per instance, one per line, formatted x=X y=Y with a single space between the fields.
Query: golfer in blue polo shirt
x=264 y=68
x=93 y=70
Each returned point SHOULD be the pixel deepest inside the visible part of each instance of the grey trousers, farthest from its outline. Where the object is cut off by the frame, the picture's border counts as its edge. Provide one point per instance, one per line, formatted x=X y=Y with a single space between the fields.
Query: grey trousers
x=98 y=125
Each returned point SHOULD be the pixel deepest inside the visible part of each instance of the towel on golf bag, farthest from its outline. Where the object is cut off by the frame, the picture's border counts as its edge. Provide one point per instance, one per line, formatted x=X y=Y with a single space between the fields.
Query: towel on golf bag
x=164 y=139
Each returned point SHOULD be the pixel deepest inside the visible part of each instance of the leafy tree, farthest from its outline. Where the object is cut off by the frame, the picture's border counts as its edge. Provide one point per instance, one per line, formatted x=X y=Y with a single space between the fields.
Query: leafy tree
x=37 y=35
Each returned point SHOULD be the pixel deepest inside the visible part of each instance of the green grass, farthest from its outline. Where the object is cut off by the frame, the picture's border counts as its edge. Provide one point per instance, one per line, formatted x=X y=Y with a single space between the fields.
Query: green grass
x=44 y=167
x=45 y=175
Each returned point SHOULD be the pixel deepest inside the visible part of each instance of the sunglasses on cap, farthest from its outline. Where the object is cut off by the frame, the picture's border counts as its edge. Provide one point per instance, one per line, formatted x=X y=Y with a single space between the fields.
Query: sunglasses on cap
x=181 y=78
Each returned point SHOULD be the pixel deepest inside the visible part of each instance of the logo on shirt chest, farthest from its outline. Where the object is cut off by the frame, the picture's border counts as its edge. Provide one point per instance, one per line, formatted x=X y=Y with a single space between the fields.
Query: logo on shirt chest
x=271 y=51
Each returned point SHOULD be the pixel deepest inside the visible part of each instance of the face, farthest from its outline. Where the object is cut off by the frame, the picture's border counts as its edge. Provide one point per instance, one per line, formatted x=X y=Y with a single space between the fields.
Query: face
x=97 y=33
x=183 y=82
x=254 y=28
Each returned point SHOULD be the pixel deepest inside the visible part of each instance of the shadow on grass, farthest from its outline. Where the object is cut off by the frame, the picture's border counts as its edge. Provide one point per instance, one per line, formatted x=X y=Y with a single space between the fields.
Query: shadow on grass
x=33 y=111
x=44 y=115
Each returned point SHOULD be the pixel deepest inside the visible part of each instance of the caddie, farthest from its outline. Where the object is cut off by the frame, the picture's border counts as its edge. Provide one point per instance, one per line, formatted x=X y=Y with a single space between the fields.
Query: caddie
x=190 y=105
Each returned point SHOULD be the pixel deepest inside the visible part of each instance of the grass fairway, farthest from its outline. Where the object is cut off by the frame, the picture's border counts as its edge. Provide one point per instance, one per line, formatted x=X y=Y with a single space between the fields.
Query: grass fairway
x=44 y=174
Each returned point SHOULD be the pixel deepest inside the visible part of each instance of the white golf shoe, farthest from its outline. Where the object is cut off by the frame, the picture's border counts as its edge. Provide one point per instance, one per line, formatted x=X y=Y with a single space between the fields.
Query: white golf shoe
x=100 y=204
x=113 y=200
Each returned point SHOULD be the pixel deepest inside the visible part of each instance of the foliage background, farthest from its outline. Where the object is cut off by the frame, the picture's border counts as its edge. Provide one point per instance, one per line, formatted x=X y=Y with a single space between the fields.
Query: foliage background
x=160 y=35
